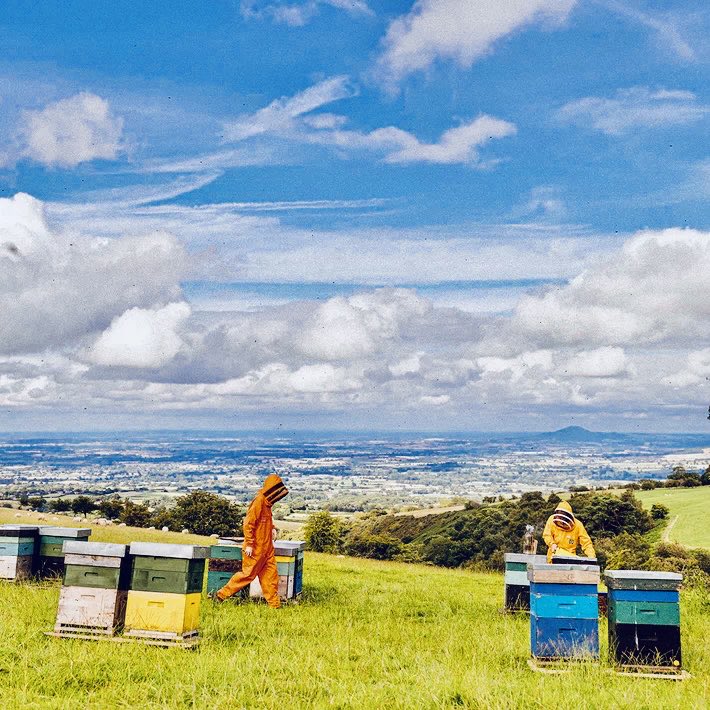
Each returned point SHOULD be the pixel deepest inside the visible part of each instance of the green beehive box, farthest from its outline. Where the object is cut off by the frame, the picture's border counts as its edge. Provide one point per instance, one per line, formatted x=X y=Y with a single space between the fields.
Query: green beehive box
x=89 y=576
x=167 y=564
x=51 y=549
x=652 y=613
x=226 y=552
x=175 y=582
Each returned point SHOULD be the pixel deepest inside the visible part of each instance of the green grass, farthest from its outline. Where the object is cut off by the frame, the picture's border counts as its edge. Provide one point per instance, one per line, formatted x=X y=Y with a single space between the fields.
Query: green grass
x=366 y=635
x=690 y=506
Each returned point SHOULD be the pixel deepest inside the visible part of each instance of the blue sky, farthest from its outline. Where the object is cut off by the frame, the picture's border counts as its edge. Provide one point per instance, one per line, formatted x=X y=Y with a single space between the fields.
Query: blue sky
x=403 y=214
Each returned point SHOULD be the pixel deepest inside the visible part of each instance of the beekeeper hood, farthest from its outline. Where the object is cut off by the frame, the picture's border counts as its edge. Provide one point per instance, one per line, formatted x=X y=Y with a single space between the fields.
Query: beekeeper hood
x=274 y=489
x=563 y=517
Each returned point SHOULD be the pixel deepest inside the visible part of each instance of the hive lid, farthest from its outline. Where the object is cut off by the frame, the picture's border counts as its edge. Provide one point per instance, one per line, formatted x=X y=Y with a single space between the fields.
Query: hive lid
x=564 y=574
x=573 y=560
x=159 y=549
x=102 y=549
x=295 y=545
x=520 y=557
x=630 y=578
x=19 y=530
x=65 y=532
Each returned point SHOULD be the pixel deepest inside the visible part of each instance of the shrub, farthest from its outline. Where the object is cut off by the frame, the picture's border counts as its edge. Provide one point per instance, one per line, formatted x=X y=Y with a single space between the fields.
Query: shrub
x=204 y=513
x=323 y=532
x=82 y=505
x=659 y=511
x=136 y=514
x=376 y=547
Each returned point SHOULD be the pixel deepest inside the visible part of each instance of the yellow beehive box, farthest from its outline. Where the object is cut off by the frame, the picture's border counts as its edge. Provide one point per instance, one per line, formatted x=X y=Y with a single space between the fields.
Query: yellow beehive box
x=163 y=612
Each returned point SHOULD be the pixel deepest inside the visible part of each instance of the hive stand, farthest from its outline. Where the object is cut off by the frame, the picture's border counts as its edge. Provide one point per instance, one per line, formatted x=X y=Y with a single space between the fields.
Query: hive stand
x=644 y=623
x=564 y=613
x=18 y=545
x=92 y=601
x=517 y=586
x=50 y=562
x=164 y=598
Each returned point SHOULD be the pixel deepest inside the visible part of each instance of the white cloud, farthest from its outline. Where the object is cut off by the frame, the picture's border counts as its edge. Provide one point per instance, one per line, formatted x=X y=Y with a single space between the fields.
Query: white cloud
x=299 y=14
x=71 y=131
x=630 y=109
x=56 y=288
x=653 y=291
x=291 y=118
x=456 y=145
x=602 y=362
x=460 y=30
x=140 y=337
x=279 y=115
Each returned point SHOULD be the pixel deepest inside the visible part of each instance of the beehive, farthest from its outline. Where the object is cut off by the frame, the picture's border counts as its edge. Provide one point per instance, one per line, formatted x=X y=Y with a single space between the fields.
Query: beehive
x=51 y=555
x=644 y=618
x=18 y=545
x=564 y=611
x=517 y=585
x=289 y=562
x=94 y=592
x=165 y=590
x=225 y=561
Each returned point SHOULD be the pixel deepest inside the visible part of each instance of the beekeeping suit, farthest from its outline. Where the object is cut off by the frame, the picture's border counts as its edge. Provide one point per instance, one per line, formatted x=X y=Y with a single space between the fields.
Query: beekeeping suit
x=564 y=533
x=258 y=557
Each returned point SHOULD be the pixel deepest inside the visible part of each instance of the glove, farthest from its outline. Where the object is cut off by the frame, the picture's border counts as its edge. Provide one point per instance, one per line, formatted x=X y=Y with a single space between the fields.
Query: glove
x=249 y=551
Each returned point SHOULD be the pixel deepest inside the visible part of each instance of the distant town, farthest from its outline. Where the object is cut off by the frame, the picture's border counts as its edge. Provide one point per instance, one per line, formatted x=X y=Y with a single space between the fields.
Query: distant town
x=339 y=473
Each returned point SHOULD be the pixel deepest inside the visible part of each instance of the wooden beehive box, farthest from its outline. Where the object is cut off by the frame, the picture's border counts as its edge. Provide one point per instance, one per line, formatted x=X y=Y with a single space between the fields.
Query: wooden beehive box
x=564 y=611
x=644 y=618
x=166 y=587
x=18 y=544
x=93 y=597
x=517 y=586
x=51 y=554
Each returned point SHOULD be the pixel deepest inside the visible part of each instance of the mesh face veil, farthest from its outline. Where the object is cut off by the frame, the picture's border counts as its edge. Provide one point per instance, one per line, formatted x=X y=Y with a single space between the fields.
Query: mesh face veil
x=563 y=519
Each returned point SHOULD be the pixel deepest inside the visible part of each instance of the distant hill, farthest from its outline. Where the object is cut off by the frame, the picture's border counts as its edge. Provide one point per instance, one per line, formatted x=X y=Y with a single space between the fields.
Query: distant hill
x=578 y=433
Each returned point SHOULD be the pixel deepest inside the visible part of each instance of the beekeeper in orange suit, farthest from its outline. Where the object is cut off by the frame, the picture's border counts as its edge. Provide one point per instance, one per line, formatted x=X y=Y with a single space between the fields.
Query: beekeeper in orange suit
x=259 y=558
x=565 y=533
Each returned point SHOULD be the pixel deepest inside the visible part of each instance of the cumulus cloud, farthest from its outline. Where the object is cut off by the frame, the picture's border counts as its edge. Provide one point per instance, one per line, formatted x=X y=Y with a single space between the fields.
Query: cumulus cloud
x=71 y=131
x=650 y=292
x=602 y=362
x=459 y=30
x=141 y=337
x=630 y=109
x=56 y=288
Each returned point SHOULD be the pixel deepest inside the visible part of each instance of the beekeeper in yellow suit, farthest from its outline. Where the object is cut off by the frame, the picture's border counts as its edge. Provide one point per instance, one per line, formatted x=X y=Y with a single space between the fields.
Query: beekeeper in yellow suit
x=258 y=555
x=563 y=533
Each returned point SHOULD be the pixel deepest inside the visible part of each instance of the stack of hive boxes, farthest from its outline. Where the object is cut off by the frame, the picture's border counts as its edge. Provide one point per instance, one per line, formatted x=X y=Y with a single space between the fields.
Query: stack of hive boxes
x=225 y=561
x=517 y=585
x=564 y=611
x=165 y=592
x=51 y=554
x=289 y=561
x=18 y=545
x=644 y=618
x=93 y=596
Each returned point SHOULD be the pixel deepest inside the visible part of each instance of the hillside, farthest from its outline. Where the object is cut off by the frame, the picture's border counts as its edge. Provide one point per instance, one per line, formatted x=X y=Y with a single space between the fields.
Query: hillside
x=366 y=635
x=689 y=513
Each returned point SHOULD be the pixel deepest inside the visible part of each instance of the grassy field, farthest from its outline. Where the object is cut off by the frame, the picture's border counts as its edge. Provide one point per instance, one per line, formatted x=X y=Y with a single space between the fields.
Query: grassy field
x=688 y=513
x=365 y=635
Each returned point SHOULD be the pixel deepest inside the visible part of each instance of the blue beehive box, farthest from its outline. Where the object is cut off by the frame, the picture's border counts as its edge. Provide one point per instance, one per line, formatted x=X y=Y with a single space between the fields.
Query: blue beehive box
x=564 y=611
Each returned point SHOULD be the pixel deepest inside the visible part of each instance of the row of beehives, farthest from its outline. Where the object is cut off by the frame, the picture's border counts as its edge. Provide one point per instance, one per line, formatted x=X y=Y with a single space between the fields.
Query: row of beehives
x=28 y=551
x=150 y=590
x=644 y=611
x=226 y=560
